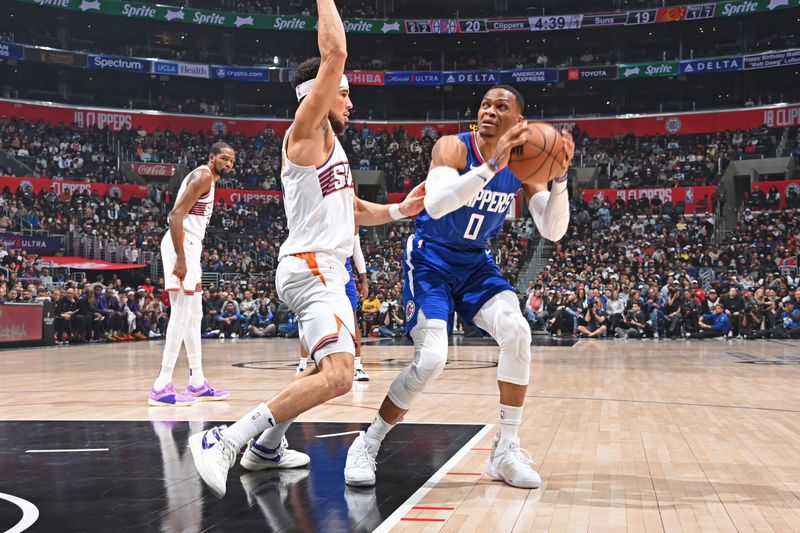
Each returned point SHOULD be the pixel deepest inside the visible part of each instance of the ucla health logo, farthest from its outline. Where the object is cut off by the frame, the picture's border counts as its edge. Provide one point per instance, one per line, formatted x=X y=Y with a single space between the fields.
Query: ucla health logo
x=673 y=125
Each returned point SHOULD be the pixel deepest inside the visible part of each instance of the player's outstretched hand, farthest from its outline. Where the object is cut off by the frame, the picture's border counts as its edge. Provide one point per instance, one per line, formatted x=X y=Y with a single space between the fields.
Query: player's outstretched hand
x=569 y=147
x=414 y=202
x=514 y=137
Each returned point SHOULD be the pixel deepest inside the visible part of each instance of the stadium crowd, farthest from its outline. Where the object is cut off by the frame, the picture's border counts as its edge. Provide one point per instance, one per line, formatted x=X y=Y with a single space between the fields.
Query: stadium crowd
x=662 y=276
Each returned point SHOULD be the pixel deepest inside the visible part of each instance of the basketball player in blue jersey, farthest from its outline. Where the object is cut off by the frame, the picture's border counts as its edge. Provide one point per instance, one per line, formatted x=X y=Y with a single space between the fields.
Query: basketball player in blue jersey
x=448 y=267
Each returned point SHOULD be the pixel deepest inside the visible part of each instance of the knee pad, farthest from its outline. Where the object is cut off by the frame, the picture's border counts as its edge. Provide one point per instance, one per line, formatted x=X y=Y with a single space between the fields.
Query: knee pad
x=430 y=341
x=514 y=364
x=502 y=318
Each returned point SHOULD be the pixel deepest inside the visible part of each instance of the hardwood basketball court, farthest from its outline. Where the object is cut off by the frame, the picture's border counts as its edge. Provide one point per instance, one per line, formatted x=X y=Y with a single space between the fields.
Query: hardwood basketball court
x=629 y=436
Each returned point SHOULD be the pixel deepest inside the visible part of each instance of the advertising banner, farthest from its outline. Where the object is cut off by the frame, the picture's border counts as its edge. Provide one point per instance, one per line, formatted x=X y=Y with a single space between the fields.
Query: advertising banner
x=705 y=66
x=365 y=77
x=775 y=116
x=223 y=19
x=19 y=322
x=11 y=51
x=55 y=57
x=123 y=191
x=648 y=70
x=780 y=58
x=160 y=170
x=125 y=64
x=783 y=187
x=413 y=78
x=591 y=73
x=540 y=75
x=474 y=77
x=254 y=74
x=31 y=244
x=178 y=68
x=690 y=196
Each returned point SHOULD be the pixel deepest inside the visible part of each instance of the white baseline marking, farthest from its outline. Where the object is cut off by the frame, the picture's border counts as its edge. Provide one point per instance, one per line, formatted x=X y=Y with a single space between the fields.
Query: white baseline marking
x=403 y=510
x=69 y=451
x=339 y=434
x=30 y=513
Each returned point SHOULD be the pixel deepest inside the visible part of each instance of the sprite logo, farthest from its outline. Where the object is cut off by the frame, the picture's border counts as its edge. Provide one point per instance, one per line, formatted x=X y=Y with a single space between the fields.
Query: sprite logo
x=54 y=3
x=357 y=26
x=291 y=23
x=208 y=18
x=653 y=70
x=739 y=8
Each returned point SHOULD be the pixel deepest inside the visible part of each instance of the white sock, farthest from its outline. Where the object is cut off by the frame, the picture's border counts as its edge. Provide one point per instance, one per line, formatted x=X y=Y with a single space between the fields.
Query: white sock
x=166 y=372
x=176 y=327
x=196 y=376
x=256 y=421
x=510 y=421
x=303 y=362
x=357 y=363
x=192 y=338
x=271 y=438
x=377 y=431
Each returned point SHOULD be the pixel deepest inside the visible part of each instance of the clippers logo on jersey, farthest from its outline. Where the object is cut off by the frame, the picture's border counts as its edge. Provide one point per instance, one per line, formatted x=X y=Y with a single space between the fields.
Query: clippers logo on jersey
x=472 y=226
x=335 y=177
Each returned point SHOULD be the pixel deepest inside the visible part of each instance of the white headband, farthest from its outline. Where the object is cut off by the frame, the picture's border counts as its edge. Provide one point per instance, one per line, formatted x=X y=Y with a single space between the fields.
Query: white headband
x=304 y=88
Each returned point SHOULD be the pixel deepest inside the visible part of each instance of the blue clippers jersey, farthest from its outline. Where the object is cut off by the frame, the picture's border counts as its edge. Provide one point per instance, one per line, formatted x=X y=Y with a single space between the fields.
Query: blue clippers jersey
x=472 y=226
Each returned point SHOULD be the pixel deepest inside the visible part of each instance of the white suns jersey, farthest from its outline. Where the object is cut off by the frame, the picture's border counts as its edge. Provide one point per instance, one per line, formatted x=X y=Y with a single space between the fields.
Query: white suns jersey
x=319 y=205
x=196 y=221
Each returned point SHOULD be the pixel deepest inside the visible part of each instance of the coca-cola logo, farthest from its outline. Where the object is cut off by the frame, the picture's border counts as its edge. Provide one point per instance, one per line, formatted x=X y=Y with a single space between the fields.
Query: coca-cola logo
x=152 y=169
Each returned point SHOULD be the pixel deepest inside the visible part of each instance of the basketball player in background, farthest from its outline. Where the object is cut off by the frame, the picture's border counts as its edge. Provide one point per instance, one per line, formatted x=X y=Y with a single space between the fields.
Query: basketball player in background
x=355 y=261
x=448 y=267
x=321 y=213
x=180 y=252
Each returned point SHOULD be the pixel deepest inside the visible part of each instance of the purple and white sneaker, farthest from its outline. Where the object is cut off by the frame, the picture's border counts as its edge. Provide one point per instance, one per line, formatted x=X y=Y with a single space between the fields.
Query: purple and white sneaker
x=169 y=397
x=206 y=393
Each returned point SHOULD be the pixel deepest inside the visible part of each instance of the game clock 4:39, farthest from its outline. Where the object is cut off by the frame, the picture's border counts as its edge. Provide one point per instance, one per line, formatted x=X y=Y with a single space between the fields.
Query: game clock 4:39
x=556 y=22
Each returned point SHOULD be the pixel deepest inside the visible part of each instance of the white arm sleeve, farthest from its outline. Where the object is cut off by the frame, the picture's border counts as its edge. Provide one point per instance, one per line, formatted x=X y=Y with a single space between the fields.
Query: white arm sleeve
x=550 y=211
x=359 y=264
x=446 y=190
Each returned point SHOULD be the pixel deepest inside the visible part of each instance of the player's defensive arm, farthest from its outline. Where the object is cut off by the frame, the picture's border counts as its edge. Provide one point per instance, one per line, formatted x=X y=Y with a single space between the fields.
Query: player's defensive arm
x=333 y=53
x=447 y=190
x=198 y=185
x=550 y=209
x=371 y=214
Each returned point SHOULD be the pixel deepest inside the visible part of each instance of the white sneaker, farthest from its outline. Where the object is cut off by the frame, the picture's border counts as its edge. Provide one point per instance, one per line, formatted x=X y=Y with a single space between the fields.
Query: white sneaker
x=360 y=375
x=509 y=463
x=213 y=456
x=234 y=335
x=257 y=457
x=359 y=470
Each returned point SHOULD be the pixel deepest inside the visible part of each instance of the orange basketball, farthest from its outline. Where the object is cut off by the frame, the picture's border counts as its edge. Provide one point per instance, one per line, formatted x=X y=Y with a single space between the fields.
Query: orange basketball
x=540 y=159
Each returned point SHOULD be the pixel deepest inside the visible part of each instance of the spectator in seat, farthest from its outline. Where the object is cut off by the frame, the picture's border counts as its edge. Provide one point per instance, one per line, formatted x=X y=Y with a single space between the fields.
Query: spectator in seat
x=370 y=308
x=228 y=321
x=713 y=325
x=261 y=323
x=734 y=306
x=594 y=320
x=788 y=326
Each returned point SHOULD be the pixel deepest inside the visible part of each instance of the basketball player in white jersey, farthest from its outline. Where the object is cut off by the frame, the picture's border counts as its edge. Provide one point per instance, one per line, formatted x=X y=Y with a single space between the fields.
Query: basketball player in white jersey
x=180 y=252
x=321 y=211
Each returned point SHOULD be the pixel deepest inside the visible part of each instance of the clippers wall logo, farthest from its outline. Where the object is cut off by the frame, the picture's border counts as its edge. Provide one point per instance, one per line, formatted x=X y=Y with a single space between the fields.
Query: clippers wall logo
x=112 y=121
x=673 y=125
x=219 y=128
x=429 y=131
x=115 y=192
x=26 y=186
x=410 y=309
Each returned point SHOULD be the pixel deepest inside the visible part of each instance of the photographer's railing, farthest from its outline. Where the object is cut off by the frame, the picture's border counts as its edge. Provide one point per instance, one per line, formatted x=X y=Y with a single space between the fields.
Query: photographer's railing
x=92 y=247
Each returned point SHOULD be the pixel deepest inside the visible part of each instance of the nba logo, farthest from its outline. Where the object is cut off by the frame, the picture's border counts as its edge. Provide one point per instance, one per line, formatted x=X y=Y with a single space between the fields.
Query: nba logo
x=690 y=195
